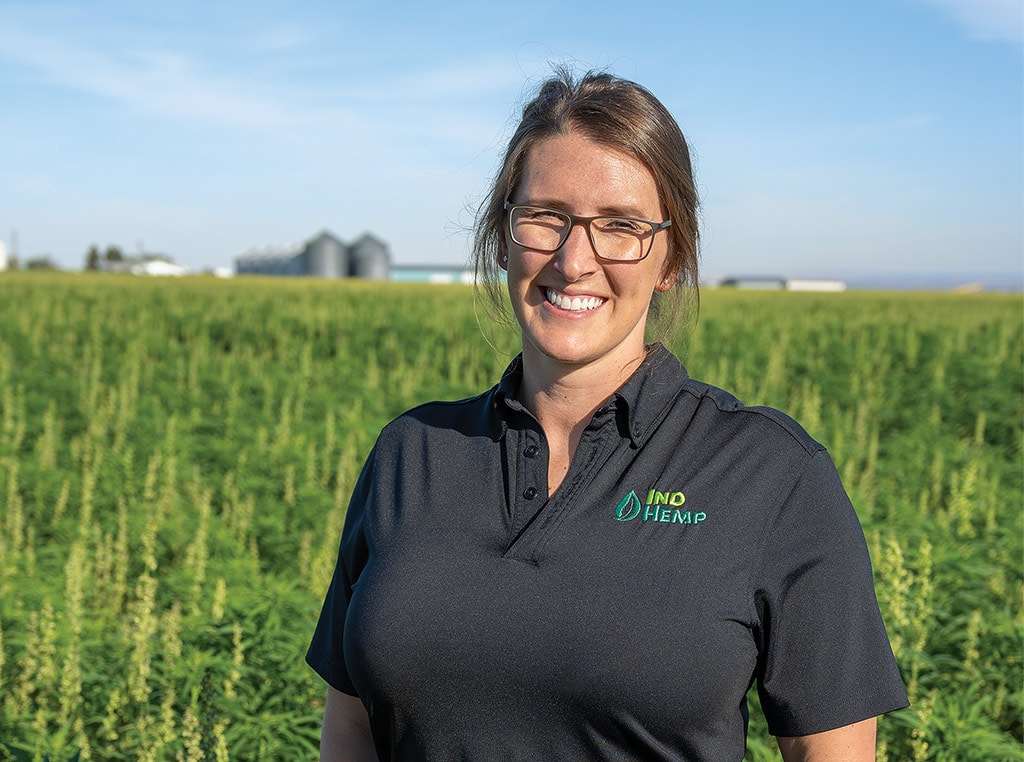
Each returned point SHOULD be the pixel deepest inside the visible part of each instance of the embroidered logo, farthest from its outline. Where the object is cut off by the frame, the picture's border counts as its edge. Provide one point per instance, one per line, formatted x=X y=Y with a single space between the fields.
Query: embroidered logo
x=661 y=507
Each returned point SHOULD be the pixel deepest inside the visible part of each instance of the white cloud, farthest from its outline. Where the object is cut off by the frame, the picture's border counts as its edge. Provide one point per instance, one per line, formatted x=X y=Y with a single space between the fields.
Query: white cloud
x=166 y=81
x=283 y=38
x=167 y=84
x=30 y=185
x=440 y=103
x=473 y=79
x=987 y=19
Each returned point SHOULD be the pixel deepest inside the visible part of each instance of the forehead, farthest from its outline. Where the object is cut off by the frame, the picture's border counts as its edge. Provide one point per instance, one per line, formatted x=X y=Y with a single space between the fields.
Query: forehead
x=573 y=169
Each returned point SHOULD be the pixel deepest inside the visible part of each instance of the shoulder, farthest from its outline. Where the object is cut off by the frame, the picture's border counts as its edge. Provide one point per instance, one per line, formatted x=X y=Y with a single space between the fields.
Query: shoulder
x=663 y=392
x=442 y=421
x=721 y=414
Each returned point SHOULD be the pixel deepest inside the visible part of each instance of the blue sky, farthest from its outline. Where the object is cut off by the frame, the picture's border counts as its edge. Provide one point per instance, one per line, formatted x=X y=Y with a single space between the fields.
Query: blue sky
x=829 y=137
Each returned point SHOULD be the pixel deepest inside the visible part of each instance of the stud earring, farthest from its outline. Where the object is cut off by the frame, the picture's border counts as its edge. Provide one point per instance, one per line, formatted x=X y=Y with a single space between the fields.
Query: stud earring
x=504 y=258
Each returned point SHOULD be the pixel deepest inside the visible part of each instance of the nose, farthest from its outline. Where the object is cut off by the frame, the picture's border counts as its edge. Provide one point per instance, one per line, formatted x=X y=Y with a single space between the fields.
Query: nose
x=575 y=258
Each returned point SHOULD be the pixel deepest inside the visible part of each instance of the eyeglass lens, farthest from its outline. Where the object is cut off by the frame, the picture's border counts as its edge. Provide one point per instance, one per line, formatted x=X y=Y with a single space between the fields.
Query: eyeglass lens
x=612 y=237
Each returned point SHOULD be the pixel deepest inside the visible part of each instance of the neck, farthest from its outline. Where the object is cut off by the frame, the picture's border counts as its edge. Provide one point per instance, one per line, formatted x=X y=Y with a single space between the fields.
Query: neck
x=565 y=396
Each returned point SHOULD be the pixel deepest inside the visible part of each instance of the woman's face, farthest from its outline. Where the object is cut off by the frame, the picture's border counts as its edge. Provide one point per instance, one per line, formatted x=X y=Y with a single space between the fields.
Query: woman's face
x=573 y=308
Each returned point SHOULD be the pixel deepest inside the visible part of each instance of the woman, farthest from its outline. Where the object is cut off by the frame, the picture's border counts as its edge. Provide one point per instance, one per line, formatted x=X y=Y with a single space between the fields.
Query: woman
x=597 y=557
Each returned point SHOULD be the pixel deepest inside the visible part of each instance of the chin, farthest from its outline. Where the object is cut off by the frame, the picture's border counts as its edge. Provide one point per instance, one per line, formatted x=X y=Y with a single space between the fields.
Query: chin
x=568 y=353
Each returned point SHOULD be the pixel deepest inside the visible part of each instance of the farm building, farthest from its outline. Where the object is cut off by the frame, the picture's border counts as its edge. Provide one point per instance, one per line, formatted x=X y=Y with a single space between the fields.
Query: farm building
x=759 y=282
x=815 y=284
x=775 y=283
x=439 y=274
x=324 y=256
x=144 y=264
x=157 y=266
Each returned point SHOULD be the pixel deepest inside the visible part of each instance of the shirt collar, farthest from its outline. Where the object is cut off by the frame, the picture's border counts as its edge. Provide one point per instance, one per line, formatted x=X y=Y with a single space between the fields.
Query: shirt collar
x=640 y=403
x=507 y=391
x=648 y=394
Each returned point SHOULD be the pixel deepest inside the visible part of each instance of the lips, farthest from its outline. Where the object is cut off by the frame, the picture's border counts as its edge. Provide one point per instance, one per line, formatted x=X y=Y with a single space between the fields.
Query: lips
x=572 y=303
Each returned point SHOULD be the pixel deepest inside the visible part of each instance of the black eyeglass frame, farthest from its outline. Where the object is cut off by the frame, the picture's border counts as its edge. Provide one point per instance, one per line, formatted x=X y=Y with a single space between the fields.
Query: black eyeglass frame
x=586 y=222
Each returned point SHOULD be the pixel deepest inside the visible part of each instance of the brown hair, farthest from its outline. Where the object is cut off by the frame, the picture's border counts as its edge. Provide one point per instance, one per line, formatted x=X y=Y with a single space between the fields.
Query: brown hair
x=624 y=116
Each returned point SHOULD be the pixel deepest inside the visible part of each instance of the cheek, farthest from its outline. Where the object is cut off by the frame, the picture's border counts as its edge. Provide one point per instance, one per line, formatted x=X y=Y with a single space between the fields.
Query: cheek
x=525 y=264
x=516 y=277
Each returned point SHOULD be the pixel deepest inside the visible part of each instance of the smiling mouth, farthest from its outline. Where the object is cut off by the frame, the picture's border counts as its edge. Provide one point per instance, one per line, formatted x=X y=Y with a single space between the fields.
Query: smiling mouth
x=572 y=303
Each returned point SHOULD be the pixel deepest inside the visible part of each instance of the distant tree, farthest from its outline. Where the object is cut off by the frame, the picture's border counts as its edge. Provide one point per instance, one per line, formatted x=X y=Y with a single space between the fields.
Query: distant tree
x=113 y=254
x=40 y=263
x=92 y=258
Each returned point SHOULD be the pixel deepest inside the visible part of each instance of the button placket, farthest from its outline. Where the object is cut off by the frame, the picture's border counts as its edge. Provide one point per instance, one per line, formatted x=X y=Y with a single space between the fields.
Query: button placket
x=594 y=449
x=532 y=466
x=530 y=469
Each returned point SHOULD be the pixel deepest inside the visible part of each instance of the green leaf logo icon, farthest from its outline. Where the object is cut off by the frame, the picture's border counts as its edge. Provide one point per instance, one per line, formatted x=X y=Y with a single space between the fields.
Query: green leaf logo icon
x=629 y=508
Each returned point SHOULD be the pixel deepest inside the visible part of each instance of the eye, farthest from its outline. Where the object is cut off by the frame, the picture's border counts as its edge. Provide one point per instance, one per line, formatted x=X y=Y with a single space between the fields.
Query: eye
x=540 y=215
x=621 y=225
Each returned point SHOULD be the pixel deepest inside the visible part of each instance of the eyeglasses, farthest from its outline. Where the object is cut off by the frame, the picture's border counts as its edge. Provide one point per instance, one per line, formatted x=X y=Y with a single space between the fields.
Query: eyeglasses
x=617 y=239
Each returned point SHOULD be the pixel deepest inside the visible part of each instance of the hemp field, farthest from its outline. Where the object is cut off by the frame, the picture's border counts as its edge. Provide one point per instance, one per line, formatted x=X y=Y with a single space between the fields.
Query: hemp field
x=176 y=458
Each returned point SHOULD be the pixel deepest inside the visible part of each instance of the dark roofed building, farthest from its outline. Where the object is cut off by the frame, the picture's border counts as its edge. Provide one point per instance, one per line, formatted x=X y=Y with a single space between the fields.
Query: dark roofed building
x=765 y=282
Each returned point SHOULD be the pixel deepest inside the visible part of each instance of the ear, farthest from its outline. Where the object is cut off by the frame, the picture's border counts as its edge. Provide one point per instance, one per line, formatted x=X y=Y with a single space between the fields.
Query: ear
x=503 y=254
x=667 y=281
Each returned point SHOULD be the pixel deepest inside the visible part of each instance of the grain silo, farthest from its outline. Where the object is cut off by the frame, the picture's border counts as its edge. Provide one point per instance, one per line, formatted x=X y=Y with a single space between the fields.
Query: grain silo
x=369 y=258
x=326 y=257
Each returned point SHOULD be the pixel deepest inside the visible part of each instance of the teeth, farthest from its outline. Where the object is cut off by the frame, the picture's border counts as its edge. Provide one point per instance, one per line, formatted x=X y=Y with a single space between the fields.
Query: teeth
x=573 y=304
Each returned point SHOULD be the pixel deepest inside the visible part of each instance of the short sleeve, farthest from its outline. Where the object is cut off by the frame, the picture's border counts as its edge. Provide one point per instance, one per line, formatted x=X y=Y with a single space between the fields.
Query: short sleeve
x=825 y=658
x=326 y=651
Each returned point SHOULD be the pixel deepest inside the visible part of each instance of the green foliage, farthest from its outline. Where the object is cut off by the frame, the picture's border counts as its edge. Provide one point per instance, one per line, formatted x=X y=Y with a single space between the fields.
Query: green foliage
x=40 y=263
x=176 y=458
x=92 y=258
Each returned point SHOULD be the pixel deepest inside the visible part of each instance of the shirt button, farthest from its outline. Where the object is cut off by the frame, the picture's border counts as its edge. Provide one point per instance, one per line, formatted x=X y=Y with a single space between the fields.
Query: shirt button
x=530 y=493
x=531 y=451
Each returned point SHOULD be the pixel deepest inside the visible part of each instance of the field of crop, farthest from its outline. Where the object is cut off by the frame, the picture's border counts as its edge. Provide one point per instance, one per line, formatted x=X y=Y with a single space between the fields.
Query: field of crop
x=176 y=458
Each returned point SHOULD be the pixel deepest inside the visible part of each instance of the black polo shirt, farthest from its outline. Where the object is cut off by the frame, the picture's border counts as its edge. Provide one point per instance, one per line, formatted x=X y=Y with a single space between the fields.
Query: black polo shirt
x=695 y=545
